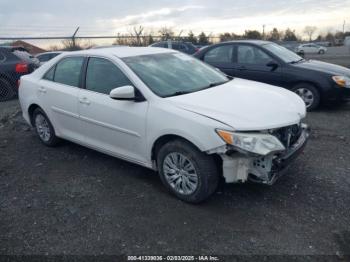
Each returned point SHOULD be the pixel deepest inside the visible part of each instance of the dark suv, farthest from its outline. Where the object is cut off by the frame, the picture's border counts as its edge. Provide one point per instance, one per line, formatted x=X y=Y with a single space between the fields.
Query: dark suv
x=267 y=62
x=14 y=62
x=184 y=47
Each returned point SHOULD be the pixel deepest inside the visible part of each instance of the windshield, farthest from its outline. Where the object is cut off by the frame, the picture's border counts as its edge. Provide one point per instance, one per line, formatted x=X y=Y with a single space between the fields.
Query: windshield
x=172 y=74
x=283 y=53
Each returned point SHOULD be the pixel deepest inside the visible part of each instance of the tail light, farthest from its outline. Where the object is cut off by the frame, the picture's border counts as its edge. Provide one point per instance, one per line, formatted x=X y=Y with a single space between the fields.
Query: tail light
x=22 y=68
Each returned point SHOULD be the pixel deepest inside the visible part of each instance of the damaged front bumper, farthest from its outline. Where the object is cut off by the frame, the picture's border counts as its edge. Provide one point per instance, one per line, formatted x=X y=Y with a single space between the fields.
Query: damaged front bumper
x=239 y=167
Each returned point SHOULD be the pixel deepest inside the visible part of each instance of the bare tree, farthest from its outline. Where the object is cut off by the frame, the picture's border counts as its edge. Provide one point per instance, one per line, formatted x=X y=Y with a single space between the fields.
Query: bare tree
x=138 y=32
x=310 y=30
x=166 y=33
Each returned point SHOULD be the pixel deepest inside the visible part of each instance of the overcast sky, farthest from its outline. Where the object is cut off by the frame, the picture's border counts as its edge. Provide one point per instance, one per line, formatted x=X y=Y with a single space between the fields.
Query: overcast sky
x=60 y=17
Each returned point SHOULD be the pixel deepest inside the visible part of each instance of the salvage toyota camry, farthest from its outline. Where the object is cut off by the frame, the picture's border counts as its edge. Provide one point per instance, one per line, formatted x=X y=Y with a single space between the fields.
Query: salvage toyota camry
x=169 y=112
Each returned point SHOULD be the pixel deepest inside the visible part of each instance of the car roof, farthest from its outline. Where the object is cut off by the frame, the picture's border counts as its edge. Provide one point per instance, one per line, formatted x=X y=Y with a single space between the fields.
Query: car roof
x=122 y=52
x=51 y=52
x=256 y=42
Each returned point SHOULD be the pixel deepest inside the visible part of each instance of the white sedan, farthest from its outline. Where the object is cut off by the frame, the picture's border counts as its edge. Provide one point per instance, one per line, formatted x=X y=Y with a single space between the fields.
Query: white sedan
x=169 y=112
x=311 y=49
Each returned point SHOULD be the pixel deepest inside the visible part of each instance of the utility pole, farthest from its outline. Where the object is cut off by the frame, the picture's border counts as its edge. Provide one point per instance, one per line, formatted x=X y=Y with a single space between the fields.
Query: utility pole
x=263 y=35
x=344 y=27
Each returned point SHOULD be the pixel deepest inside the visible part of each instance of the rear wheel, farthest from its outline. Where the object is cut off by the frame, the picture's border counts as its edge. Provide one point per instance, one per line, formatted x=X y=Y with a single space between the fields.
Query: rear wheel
x=44 y=128
x=309 y=94
x=7 y=92
x=321 y=52
x=188 y=173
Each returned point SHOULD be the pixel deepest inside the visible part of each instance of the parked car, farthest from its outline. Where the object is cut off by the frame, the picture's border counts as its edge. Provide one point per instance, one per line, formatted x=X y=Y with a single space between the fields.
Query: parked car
x=184 y=47
x=267 y=62
x=311 y=49
x=47 y=56
x=169 y=112
x=13 y=64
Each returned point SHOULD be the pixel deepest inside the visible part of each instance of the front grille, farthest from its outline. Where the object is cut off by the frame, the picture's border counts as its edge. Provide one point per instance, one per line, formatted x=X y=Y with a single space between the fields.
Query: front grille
x=288 y=135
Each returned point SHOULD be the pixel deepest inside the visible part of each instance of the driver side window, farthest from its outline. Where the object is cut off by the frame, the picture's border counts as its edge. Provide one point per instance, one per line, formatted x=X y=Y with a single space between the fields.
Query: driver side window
x=102 y=76
x=247 y=54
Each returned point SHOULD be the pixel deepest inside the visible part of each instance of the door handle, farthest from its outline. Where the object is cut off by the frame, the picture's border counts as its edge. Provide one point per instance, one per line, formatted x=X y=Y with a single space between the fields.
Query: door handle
x=42 y=90
x=84 y=100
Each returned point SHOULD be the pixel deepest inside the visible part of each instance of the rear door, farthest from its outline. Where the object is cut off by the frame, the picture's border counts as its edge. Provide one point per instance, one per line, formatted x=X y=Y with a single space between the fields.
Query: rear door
x=252 y=63
x=115 y=126
x=221 y=57
x=58 y=92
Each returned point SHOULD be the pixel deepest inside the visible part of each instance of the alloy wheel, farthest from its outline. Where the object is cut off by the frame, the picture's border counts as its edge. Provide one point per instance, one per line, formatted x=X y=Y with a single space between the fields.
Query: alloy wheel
x=180 y=173
x=306 y=95
x=42 y=127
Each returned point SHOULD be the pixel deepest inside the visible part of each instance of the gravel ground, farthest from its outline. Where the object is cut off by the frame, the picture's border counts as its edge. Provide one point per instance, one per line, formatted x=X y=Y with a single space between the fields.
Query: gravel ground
x=72 y=200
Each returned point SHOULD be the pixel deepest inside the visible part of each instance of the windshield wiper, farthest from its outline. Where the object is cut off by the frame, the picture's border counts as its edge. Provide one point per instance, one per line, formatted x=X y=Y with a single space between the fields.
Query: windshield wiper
x=214 y=84
x=297 y=61
x=179 y=93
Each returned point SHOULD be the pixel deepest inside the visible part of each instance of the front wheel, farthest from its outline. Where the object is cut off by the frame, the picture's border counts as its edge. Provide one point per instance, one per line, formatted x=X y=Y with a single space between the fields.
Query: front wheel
x=188 y=173
x=309 y=94
x=321 y=52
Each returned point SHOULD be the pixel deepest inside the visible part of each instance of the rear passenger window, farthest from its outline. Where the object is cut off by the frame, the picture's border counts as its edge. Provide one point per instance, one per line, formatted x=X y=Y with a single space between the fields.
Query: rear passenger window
x=102 y=76
x=68 y=71
x=44 y=58
x=50 y=74
x=220 y=54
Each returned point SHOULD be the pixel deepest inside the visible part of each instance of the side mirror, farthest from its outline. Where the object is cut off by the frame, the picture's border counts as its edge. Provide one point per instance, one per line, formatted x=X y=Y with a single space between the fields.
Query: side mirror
x=273 y=65
x=123 y=93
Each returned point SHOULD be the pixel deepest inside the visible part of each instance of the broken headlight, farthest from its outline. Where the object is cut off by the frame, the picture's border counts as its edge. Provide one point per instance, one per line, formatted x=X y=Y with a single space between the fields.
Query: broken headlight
x=262 y=144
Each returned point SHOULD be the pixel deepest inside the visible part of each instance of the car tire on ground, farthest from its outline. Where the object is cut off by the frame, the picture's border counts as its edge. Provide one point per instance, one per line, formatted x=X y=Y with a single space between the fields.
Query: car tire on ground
x=7 y=91
x=321 y=52
x=309 y=94
x=44 y=128
x=187 y=172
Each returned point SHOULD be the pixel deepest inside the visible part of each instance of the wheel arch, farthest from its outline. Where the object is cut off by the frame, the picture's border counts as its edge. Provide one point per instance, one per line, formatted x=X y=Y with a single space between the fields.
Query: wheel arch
x=162 y=140
x=31 y=110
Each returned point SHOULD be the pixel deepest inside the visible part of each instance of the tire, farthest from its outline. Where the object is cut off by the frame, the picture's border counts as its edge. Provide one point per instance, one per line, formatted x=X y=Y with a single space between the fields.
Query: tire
x=44 y=128
x=7 y=91
x=198 y=174
x=309 y=94
x=321 y=52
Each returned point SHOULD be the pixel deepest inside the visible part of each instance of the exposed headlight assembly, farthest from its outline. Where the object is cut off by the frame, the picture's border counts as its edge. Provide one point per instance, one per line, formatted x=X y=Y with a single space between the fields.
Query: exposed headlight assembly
x=342 y=81
x=261 y=144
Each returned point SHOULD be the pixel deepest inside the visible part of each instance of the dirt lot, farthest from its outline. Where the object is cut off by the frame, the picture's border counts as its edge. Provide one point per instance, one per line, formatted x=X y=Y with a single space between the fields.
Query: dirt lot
x=72 y=200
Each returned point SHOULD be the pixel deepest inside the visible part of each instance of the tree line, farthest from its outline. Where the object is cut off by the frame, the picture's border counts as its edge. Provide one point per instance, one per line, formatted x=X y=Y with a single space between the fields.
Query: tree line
x=137 y=36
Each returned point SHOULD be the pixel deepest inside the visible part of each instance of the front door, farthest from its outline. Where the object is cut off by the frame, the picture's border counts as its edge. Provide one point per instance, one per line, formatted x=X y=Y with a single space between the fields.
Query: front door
x=114 y=126
x=252 y=63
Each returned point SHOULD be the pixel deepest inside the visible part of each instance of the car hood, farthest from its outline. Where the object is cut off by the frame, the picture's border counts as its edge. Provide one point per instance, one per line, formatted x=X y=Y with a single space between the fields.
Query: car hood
x=324 y=67
x=245 y=105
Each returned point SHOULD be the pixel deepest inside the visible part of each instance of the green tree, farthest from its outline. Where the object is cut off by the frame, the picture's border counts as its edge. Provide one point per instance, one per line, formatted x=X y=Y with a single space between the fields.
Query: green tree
x=274 y=35
x=289 y=35
x=229 y=37
x=252 y=34
x=192 y=38
x=203 y=39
